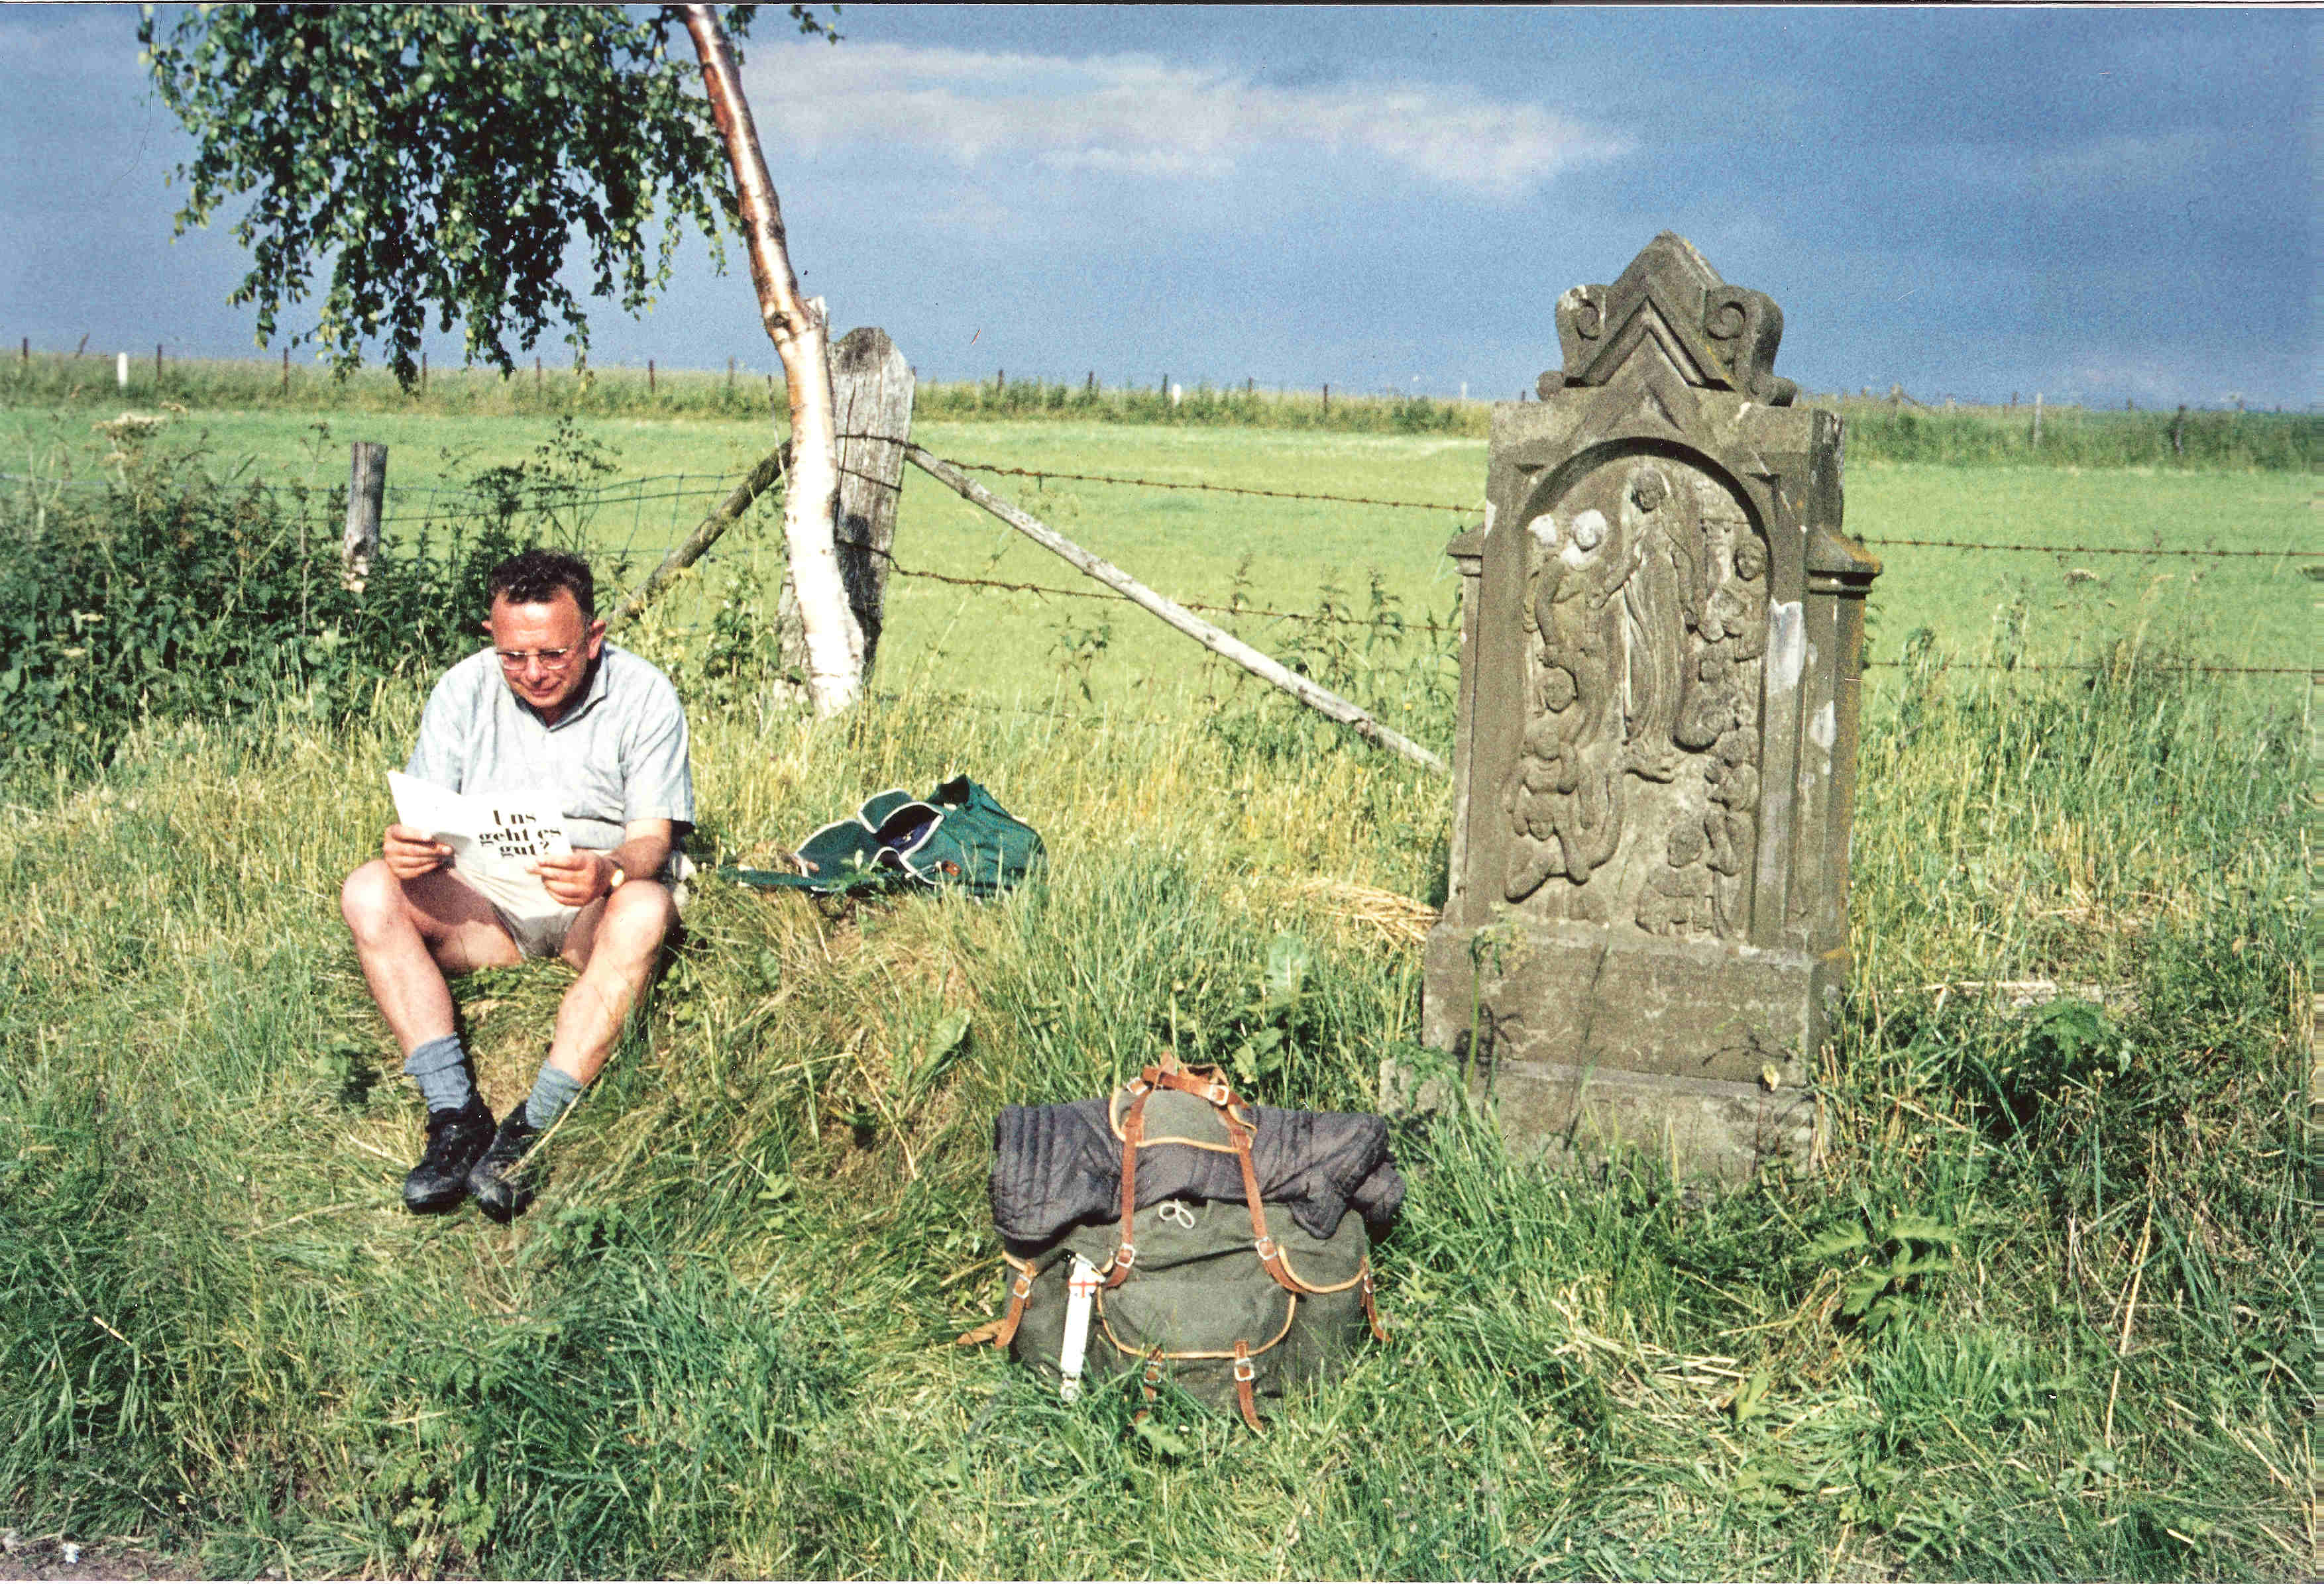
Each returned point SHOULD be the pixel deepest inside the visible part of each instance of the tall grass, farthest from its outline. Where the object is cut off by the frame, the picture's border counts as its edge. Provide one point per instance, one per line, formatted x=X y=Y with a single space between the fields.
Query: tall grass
x=2046 y=1312
x=1881 y=430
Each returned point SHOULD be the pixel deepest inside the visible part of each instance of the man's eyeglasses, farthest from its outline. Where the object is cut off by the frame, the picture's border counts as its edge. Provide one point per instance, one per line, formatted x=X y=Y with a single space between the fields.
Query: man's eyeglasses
x=553 y=660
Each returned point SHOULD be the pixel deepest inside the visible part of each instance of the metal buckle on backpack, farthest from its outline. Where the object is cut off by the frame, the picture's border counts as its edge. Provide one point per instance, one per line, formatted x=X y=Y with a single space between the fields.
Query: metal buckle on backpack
x=1218 y=1094
x=1125 y=1256
x=1266 y=1246
x=1244 y=1369
x=1022 y=1287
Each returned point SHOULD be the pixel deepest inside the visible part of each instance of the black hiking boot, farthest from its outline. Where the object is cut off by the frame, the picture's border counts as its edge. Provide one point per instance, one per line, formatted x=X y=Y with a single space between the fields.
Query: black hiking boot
x=456 y=1138
x=502 y=1178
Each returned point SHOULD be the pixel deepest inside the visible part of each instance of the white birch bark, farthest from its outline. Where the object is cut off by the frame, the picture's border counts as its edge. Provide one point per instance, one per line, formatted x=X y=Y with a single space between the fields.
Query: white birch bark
x=801 y=337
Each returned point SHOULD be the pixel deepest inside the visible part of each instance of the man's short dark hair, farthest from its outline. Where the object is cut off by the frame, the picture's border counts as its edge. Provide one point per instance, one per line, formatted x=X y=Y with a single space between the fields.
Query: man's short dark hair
x=533 y=578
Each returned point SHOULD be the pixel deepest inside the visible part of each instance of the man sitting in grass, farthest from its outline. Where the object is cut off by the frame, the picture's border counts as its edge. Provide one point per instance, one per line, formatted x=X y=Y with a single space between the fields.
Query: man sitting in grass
x=551 y=708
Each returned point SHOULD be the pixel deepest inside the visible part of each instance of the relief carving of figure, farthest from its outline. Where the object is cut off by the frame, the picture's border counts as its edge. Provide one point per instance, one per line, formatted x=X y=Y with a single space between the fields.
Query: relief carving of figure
x=1676 y=898
x=1645 y=611
x=1663 y=530
x=1731 y=827
x=1565 y=801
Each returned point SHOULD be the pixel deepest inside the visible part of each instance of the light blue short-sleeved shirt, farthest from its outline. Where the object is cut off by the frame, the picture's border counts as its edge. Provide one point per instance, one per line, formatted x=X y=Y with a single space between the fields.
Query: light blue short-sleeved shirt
x=618 y=755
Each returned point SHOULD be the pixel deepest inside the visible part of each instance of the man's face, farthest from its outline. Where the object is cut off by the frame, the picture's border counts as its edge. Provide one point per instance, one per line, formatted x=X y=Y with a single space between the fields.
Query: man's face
x=545 y=650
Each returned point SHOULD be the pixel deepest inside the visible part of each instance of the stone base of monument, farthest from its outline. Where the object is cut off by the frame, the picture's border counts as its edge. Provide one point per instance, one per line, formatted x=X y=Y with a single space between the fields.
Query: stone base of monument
x=1705 y=1128
x=1711 y=1041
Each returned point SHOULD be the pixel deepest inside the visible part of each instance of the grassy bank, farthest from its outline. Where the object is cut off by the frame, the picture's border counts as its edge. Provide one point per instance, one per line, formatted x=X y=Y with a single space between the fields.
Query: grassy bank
x=2047 y=1310
x=1879 y=429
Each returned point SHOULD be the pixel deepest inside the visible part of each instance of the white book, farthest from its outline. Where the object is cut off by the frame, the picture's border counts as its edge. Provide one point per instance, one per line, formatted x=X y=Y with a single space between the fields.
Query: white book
x=493 y=839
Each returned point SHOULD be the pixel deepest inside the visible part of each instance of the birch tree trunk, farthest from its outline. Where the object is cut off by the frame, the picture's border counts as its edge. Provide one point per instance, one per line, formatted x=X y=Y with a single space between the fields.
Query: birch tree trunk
x=801 y=336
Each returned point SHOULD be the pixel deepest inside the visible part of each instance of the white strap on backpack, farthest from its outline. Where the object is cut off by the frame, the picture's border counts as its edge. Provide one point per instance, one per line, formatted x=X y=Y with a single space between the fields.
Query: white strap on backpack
x=1081 y=1292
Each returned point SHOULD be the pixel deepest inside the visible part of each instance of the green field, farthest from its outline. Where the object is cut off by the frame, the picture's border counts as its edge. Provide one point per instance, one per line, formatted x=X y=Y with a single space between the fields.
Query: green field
x=1291 y=555
x=2046 y=1312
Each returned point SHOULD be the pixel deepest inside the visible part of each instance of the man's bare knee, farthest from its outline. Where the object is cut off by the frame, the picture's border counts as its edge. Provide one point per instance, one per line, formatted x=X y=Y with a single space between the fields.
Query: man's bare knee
x=372 y=900
x=637 y=919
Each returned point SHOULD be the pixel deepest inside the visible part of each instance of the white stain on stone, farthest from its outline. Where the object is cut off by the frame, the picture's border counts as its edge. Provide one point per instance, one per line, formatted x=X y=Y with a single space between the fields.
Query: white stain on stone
x=1544 y=530
x=1590 y=528
x=1788 y=647
x=1489 y=515
x=1822 y=728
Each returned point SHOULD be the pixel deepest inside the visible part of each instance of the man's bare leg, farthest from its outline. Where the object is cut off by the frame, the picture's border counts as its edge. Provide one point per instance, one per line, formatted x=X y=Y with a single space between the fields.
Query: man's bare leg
x=615 y=943
x=410 y=934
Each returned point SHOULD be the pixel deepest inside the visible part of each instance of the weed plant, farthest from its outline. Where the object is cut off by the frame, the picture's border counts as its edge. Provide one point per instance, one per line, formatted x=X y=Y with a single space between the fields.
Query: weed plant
x=174 y=594
x=2045 y=1311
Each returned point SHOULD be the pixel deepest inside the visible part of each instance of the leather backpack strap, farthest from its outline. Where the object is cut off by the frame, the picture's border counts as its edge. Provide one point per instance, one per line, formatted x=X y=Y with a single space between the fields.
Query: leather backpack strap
x=1133 y=1134
x=1002 y=1331
x=1262 y=1241
x=1212 y=1089
x=1246 y=1372
x=1372 y=1308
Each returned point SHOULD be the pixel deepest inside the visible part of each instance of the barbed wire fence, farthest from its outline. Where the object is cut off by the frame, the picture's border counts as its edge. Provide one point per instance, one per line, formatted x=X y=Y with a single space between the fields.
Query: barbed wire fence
x=658 y=508
x=1470 y=514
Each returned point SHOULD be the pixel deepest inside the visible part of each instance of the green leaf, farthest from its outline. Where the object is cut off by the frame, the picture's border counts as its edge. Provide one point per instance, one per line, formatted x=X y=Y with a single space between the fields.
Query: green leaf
x=1161 y=1437
x=1288 y=961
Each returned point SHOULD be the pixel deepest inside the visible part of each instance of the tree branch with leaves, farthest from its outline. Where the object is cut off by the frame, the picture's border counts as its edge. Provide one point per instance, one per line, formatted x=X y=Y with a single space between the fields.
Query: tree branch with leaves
x=443 y=158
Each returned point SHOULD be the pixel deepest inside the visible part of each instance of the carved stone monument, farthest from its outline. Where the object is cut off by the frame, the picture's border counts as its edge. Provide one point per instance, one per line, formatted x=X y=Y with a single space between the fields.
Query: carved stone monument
x=1646 y=916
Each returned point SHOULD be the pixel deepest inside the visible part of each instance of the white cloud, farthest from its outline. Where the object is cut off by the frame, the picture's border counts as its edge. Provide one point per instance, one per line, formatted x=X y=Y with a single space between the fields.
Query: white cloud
x=2128 y=161
x=1137 y=115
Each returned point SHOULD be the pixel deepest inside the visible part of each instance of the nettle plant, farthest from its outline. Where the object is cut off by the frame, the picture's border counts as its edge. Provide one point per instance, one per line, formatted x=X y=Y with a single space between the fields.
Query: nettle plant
x=175 y=594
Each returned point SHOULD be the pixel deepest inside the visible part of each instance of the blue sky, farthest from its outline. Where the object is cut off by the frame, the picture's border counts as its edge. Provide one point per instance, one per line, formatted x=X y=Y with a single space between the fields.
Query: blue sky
x=2097 y=202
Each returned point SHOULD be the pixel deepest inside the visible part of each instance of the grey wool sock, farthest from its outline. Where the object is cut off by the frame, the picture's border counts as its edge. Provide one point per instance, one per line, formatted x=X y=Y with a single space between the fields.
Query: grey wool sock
x=553 y=1092
x=440 y=1068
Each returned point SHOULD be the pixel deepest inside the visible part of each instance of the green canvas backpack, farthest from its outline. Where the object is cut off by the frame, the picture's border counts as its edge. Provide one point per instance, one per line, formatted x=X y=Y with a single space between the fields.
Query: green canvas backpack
x=1229 y=1302
x=958 y=836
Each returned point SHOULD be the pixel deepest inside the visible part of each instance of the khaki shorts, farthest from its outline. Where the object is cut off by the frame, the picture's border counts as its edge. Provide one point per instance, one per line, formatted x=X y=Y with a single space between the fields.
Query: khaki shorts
x=544 y=934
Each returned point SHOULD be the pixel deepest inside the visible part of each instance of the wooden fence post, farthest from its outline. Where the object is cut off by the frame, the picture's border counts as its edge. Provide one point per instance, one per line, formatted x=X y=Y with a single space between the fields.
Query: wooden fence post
x=366 y=500
x=2037 y=420
x=872 y=388
x=1217 y=639
x=286 y=369
x=649 y=376
x=706 y=533
x=157 y=368
x=1327 y=398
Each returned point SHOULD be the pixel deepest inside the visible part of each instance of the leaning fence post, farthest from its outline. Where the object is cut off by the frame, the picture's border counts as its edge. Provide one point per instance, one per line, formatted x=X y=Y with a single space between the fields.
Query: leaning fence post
x=366 y=498
x=871 y=390
x=1217 y=639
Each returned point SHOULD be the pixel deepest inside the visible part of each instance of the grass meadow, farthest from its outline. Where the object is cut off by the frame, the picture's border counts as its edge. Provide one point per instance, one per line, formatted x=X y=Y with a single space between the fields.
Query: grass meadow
x=2047 y=1310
